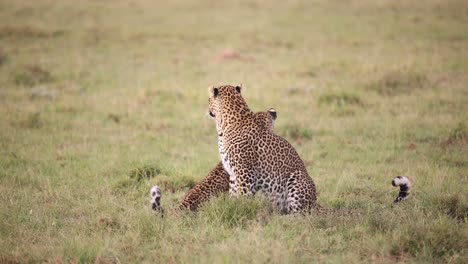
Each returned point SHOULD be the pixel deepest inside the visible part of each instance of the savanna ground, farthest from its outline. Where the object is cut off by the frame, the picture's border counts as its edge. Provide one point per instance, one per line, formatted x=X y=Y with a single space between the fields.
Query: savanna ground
x=100 y=100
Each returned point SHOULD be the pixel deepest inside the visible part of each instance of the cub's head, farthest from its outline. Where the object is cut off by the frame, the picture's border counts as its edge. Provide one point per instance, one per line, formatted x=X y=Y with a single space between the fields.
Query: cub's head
x=226 y=101
x=266 y=119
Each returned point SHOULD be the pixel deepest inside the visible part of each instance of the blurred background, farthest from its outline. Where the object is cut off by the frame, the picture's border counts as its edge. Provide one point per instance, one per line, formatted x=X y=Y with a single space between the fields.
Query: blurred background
x=99 y=100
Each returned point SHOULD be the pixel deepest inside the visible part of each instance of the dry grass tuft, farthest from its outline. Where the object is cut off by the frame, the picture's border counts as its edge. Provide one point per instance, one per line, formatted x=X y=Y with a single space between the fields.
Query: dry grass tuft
x=32 y=75
x=400 y=82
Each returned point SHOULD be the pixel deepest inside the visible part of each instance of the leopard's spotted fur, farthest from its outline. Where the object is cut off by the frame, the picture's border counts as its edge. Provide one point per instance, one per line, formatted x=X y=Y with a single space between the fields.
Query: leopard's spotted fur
x=217 y=181
x=255 y=158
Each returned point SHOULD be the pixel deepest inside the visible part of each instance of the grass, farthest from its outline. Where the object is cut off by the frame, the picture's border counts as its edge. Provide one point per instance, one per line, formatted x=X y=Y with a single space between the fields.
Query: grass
x=101 y=100
x=399 y=82
x=32 y=75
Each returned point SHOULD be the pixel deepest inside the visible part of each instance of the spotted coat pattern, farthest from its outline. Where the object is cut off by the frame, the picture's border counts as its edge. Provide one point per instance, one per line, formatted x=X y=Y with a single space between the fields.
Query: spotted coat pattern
x=255 y=158
x=217 y=181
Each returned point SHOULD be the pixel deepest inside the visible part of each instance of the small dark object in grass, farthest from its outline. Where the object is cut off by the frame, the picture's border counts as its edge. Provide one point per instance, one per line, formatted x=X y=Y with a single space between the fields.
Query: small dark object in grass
x=33 y=75
x=297 y=132
x=145 y=172
x=340 y=99
x=33 y=120
x=399 y=82
x=455 y=206
x=457 y=135
x=114 y=117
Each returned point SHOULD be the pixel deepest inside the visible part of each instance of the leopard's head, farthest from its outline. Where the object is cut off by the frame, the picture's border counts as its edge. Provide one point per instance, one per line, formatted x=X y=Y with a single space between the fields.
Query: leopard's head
x=226 y=102
x=266 y=119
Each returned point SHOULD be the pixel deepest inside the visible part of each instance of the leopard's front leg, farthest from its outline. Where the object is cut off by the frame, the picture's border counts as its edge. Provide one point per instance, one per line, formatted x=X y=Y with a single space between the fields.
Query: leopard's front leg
x=232 y=185
x=242 y=184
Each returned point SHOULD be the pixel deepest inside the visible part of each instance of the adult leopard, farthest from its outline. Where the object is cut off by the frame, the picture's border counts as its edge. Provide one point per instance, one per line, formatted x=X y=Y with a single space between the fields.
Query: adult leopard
x=255 y=158
x=217 y=181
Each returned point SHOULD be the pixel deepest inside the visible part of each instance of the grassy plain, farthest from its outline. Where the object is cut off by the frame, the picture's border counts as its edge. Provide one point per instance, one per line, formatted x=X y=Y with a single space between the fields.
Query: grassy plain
x=99 y=100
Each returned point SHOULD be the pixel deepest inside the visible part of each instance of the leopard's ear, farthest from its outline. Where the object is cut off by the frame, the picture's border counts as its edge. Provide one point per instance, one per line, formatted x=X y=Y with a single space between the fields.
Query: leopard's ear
x=213 y=91
x=272 y=112
x=239 y=88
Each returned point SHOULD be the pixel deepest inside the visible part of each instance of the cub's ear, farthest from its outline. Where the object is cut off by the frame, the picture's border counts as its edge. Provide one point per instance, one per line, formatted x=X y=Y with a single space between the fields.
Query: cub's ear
x=239 y=88
x=213 y=91
x=272 y=112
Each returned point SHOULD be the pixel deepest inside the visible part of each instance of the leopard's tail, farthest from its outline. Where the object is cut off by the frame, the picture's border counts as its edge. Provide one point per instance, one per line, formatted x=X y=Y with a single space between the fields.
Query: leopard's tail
x=405 y=187
x=155 y=199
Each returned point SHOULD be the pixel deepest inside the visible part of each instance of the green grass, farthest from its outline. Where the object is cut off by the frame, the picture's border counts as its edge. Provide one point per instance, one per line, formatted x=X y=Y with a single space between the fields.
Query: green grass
x=101 y=100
